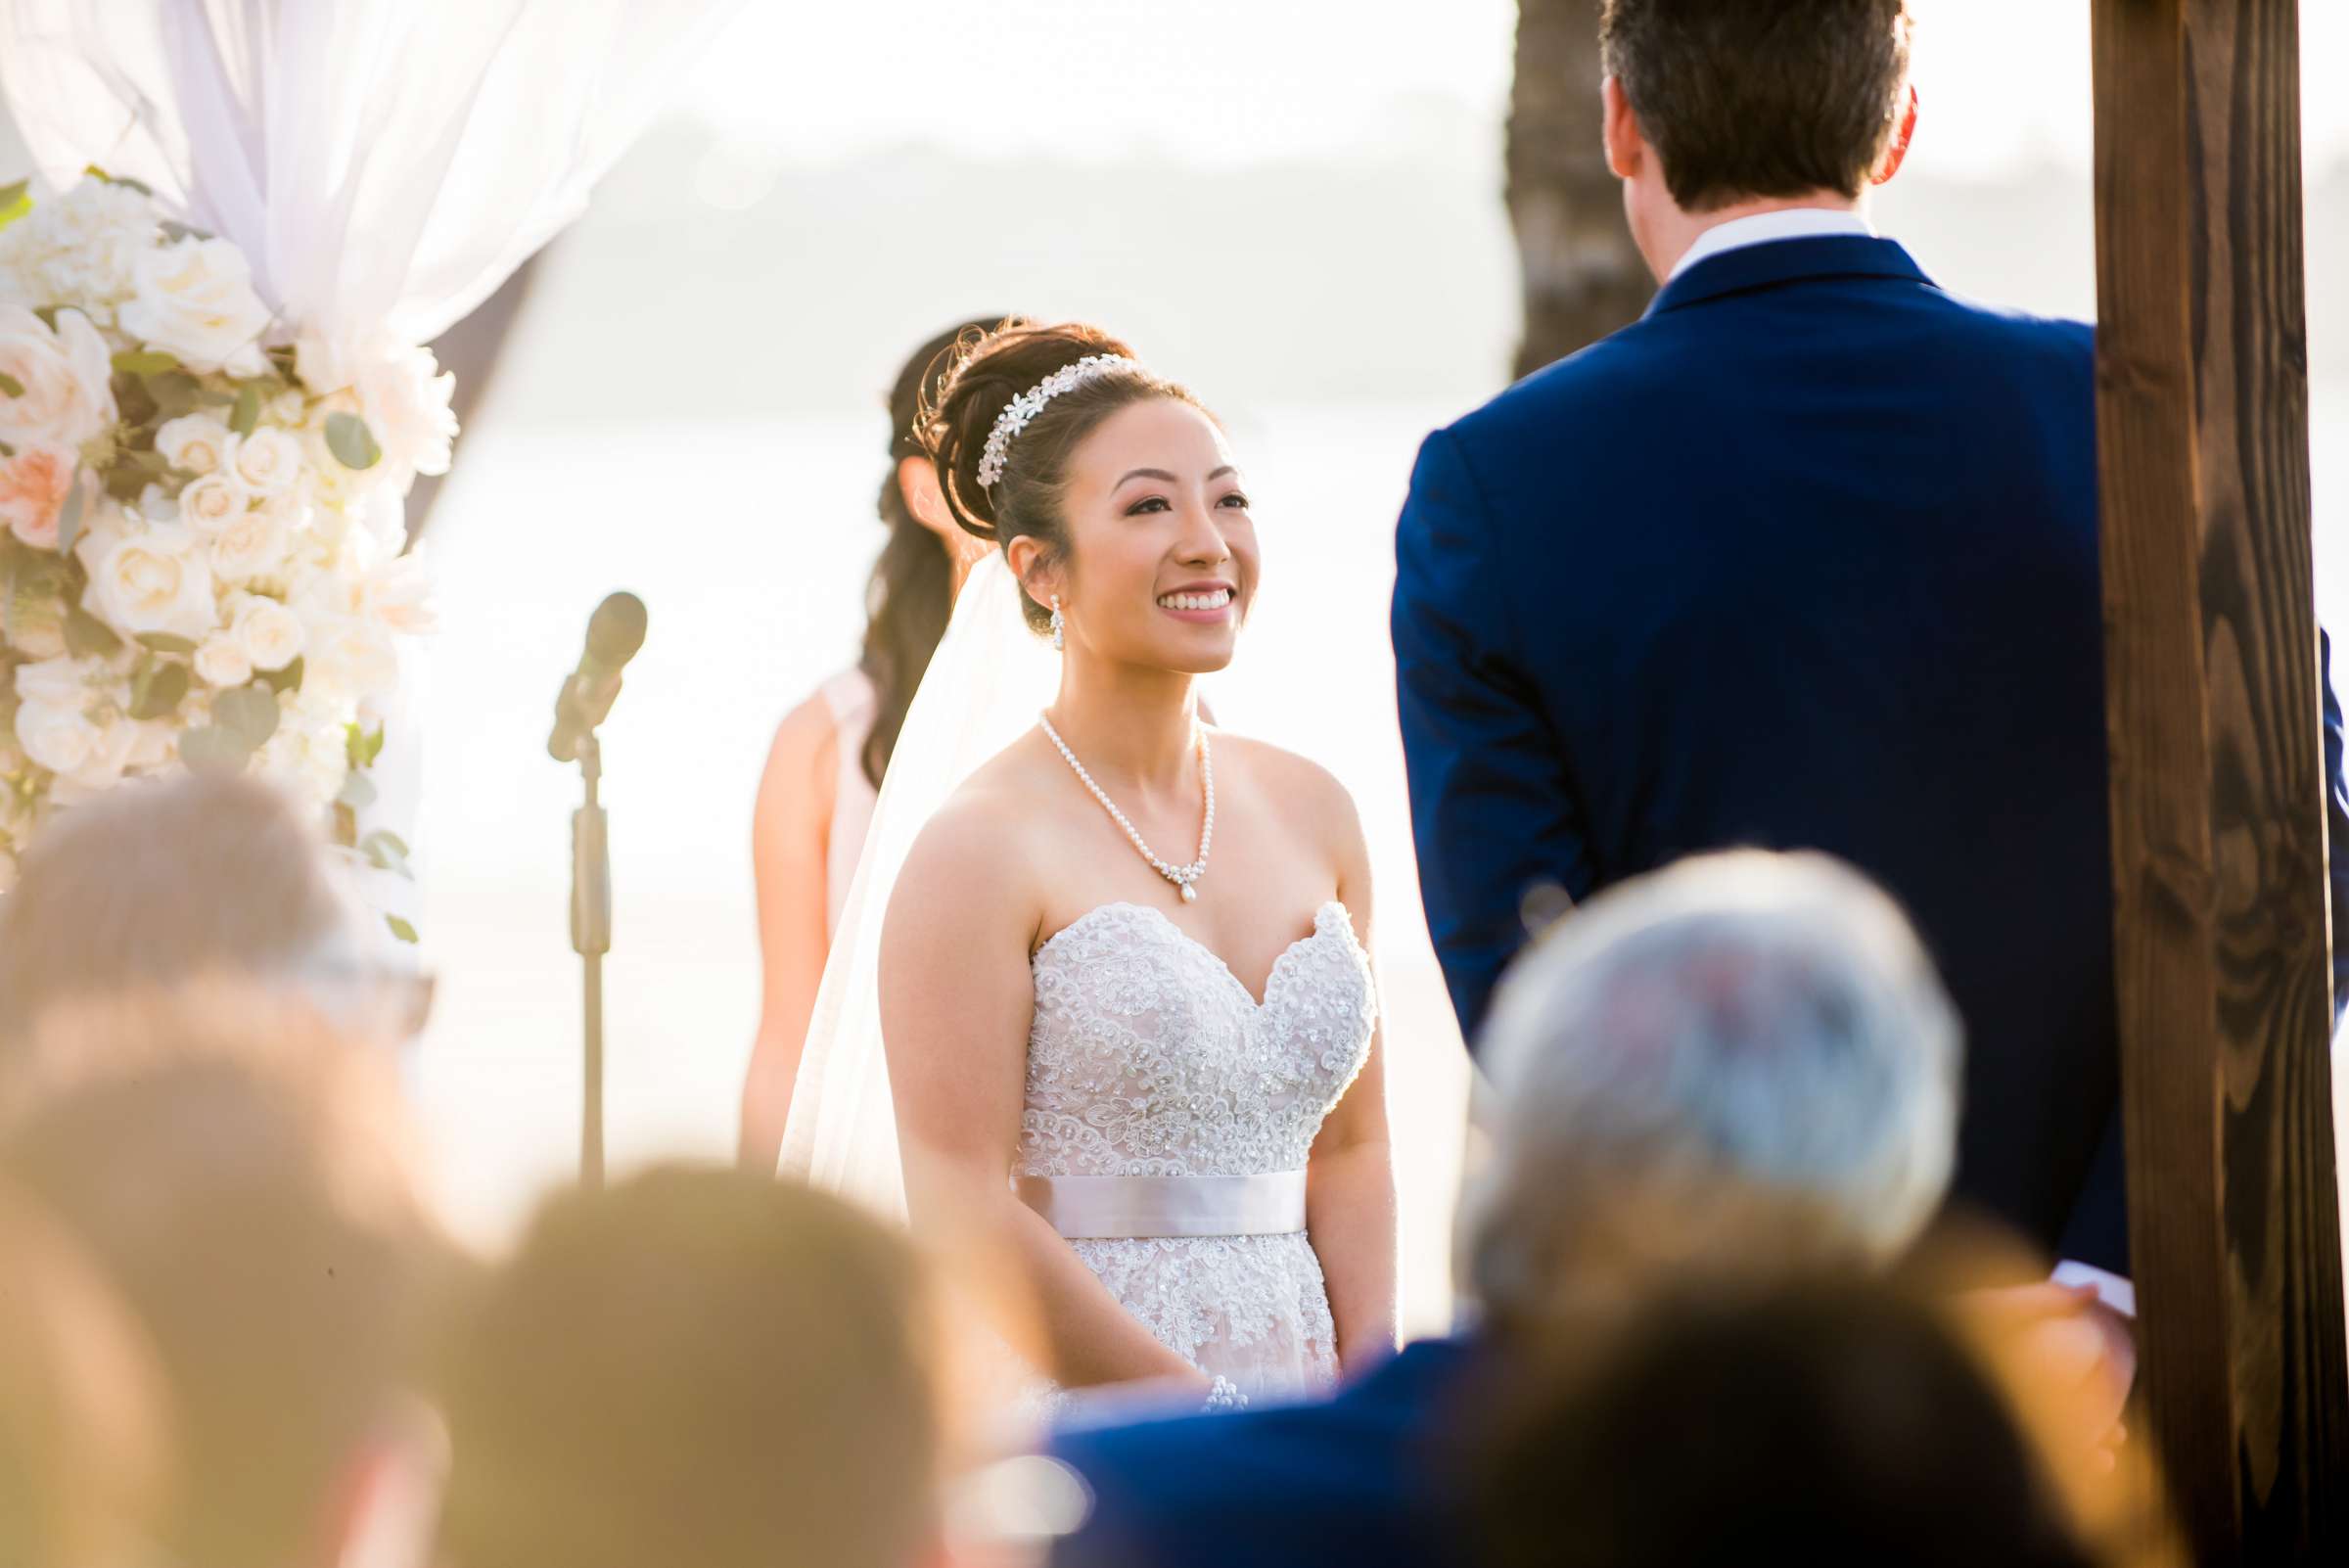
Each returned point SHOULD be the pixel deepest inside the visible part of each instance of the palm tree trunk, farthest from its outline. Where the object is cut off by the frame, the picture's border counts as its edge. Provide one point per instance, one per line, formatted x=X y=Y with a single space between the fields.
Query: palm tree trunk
x=1584 y=278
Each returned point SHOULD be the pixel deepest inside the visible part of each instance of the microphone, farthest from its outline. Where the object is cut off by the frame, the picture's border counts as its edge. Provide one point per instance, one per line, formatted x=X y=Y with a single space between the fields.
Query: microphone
x=614 y=634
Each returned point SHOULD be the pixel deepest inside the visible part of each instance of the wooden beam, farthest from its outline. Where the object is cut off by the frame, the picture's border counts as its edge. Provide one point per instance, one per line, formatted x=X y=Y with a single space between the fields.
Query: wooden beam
x=2216 y=771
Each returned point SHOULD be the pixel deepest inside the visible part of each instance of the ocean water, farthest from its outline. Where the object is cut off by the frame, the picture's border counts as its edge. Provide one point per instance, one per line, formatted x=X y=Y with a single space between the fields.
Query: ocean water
x=750 y=544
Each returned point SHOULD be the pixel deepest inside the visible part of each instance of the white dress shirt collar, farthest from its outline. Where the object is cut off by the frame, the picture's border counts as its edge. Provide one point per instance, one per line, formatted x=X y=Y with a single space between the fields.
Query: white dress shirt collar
x=1765 y=228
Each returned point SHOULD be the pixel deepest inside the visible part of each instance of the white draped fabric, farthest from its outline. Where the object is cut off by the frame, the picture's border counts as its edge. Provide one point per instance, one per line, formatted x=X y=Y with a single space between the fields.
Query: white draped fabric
x=384 y=164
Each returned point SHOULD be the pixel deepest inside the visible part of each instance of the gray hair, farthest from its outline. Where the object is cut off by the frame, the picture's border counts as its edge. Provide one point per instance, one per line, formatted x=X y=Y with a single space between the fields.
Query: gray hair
x=1745 y=1058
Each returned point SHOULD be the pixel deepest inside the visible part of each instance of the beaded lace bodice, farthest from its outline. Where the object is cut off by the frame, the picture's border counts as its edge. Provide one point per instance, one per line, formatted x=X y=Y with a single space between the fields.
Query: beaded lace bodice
x=1148 y=1057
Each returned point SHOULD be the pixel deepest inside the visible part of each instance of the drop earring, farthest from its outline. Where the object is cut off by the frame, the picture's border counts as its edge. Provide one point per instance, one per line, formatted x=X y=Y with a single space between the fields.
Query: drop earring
x=1059 y=626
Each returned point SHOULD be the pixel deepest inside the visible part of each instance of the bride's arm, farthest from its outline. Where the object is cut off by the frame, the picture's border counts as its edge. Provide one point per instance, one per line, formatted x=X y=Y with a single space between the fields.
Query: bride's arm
x=956 y=1002
x=1350 y=1176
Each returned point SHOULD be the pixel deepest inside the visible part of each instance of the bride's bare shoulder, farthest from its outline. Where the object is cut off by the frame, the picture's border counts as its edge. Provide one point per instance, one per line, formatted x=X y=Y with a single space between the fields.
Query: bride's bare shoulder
x=1297 y=781
x=983 y=844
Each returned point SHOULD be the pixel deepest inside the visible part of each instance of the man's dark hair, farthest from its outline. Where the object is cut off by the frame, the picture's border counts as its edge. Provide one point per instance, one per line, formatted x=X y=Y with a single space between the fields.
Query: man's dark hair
x=1761 y=98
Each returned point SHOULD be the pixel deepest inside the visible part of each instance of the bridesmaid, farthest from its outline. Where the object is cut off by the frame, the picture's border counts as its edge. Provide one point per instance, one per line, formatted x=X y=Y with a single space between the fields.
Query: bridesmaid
x=825 y=766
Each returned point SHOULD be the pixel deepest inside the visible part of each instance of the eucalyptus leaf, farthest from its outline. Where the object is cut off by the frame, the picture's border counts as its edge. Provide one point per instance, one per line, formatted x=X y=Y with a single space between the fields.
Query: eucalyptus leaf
x=281 y=680
x=358 y=791
x=68 y=517
x=351 y=441
x=145 y=361
x=400 y=928
x=164 y=642
x=11 y=385
x=248 y=712
x=175 y=231
x=248 y=412
x=385 y=852
x=176 y=393
x=159 y=691
x=87 y=636
x=213 y=750
x=361 y=747
x=47 y=315
x=97 y=173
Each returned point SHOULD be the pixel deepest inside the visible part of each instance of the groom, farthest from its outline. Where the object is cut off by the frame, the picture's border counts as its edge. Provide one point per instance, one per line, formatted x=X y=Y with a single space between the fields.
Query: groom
x=1806 y=558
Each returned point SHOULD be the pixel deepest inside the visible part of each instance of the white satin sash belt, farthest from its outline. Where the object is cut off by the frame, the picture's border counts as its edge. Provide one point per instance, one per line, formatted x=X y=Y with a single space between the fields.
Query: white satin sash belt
x=1106 y=1208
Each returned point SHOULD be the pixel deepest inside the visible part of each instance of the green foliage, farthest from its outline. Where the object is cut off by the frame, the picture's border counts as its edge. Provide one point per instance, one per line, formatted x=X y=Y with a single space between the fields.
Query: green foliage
x=359 y=792
x=15 y=199
x=158 y=690
x=361 y=748
x=213 y=750
x=248 y=411
x=68 y=517
x=400 y=928
x=248 y=714
x=11 y=385
x=351 y=441
x=283 y=680
x=97 y=173
x=87 y=636
x=386 y=852
x=145 y=361
x=175 y=231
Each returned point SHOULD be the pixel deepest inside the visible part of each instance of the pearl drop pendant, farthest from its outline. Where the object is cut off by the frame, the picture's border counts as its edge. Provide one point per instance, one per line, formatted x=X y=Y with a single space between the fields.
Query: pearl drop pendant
x=1190 y=895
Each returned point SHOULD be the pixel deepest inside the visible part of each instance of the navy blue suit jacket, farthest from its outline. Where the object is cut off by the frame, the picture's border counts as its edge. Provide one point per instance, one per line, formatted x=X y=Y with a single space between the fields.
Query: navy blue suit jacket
x=1363 y=1480
x=1805 y=558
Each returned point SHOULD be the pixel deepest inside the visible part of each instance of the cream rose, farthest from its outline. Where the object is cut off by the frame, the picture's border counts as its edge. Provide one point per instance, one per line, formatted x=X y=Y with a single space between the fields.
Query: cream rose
x=68 y=395
x=401 y=390
x=62 y=738
x=196 y=302
x=34 y=486
x=268 y=461
x=154 y=579
x=221 y=661
x=398 y=595
x=212 y=504
x=195 y=443
x=268 y=635
x=350 y=657
x=253 y=545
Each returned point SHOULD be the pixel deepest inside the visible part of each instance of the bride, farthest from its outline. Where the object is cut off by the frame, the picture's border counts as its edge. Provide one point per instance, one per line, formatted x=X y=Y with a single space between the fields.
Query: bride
x=1123 y=988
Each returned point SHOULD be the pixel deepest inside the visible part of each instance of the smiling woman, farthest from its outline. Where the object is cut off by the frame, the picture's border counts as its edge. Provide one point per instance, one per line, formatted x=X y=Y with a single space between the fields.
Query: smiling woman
x=1163 y=1110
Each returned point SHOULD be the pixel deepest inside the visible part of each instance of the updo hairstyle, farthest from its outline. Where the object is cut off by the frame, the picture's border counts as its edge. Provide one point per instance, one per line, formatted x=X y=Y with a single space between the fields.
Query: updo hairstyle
x=990 y=369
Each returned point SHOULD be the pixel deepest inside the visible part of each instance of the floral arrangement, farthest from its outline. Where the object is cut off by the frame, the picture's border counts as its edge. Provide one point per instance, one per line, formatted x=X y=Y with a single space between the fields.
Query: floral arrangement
x=202 y=521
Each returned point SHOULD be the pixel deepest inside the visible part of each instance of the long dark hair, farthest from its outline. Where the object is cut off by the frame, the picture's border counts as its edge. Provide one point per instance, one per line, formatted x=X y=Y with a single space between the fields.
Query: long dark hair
x=912 y=590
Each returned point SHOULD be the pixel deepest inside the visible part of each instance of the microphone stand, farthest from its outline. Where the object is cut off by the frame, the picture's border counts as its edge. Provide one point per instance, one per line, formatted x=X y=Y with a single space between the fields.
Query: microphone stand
x=591 y=938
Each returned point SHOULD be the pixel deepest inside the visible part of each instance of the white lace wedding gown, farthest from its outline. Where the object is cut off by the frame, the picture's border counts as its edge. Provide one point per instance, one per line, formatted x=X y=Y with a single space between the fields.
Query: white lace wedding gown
x=1169 y=1115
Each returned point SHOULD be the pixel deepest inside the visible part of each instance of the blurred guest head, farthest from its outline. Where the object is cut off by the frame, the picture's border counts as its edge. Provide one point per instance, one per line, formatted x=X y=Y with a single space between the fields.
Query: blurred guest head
x=914 y=583
x=81 y=1439
x=1744 y=1062
x=239 y=1172
x=203 y=874
x=1715 y=106
x=1837 y=1424
x=699 y=1367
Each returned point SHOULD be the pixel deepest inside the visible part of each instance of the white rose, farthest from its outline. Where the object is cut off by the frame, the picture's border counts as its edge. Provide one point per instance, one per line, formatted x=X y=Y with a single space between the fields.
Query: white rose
x=63 y=739
x=212 y=503
x=253 y=546
x=59 y=680
x=67 y=375
x=398 y=595
x=155 y=580
x=350 y=657
x=221 y=661
x=196 y=302
x=195 y=443
x=268 y=461
x=402 y=391
x=268 y=635
x=79 y=248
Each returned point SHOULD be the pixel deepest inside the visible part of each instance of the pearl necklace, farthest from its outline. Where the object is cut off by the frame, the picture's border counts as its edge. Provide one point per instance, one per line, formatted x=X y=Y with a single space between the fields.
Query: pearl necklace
x=1182 y=876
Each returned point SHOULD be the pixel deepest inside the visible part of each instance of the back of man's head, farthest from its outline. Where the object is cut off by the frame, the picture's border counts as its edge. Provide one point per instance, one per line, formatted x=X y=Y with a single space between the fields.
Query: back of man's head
x=240 y=1174
x=153 y=884
x=698 y=1367
x=1745 y=1062
x=1745 y=99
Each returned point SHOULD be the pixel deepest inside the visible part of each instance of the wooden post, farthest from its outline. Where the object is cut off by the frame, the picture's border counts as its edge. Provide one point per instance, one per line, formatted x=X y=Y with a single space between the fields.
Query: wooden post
x=2217 y=767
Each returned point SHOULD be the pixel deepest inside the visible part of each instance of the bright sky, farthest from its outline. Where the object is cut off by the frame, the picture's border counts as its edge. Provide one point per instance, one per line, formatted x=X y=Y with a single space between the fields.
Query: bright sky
x=1222 y=81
